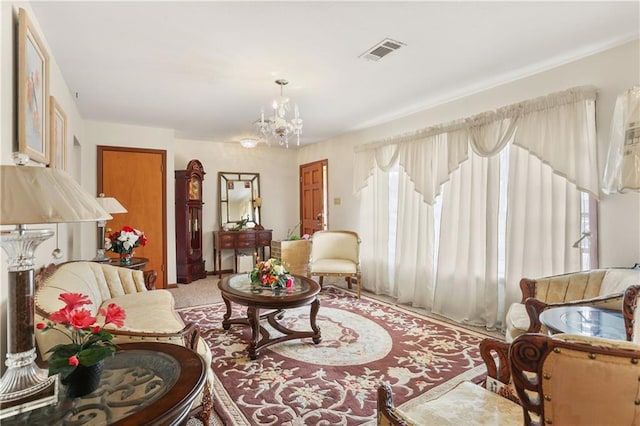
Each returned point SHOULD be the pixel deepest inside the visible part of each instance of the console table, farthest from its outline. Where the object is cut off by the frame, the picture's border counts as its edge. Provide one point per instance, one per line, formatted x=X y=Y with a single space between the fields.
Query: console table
x=235 y=240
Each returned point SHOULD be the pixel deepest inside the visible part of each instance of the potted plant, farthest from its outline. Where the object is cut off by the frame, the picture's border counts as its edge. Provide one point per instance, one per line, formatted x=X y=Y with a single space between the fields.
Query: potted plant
x=80 y=362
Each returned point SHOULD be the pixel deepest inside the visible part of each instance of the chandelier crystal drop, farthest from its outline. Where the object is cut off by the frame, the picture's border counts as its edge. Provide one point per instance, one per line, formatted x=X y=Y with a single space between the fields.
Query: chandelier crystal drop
x=277 y=126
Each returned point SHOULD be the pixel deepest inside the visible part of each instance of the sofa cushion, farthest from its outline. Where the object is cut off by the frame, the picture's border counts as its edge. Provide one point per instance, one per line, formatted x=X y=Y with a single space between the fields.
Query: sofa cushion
x=574 y=286
x=517 y=321
x=618 y=280
x=466 y=404
x=150 y=312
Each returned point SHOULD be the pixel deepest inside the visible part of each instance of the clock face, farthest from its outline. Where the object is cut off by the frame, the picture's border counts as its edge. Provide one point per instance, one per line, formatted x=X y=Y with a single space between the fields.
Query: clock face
x=194 y=189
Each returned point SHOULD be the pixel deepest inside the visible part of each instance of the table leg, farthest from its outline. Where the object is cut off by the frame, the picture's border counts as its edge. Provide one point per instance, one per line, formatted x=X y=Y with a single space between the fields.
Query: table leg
x=226 y=323
x=253 y=315
x=315 y=307
x=219 y=262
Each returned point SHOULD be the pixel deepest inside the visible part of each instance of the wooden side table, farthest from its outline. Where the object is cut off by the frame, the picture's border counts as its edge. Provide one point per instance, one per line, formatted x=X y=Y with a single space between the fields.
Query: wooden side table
x=138 y=263
x=145 y=383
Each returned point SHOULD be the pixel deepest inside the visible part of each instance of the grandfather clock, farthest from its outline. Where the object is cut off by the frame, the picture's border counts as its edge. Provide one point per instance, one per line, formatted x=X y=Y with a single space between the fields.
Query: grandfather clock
x=189 y=223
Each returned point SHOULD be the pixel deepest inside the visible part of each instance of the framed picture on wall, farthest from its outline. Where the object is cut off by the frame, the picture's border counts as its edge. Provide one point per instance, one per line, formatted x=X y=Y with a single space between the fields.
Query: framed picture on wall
x=58 y=134
x=33 y=92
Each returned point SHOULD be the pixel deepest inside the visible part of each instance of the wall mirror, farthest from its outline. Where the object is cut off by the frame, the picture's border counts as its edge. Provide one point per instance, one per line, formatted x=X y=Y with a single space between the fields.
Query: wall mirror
x=239 y=200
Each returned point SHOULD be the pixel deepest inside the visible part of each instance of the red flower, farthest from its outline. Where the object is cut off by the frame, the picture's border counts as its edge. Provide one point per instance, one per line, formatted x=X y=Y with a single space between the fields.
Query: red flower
x=73 y=300
x=73 y=360
x=128 y=229
x=61 y=316
x=40 y=325
x=114 y=314
x=81 y=318
x=96 y=329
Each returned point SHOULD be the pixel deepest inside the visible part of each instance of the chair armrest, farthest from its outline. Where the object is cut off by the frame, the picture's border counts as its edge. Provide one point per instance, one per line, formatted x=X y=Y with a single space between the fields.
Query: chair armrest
x=150 y=278
x=629 y=305
x=189 y=336
x=387 y=413
x=500 y=370
x=527 y=288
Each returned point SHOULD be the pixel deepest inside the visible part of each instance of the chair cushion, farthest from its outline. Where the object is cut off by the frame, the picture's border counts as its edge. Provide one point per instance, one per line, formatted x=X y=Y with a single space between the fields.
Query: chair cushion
x=466 y=404
x=333 y=266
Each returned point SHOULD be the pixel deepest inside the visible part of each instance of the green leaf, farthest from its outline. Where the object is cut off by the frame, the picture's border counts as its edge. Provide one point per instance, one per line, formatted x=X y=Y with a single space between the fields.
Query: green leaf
x=92 y=355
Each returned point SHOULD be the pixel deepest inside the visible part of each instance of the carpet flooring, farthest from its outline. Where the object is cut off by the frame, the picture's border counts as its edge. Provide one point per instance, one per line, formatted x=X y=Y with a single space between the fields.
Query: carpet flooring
x=363 y=342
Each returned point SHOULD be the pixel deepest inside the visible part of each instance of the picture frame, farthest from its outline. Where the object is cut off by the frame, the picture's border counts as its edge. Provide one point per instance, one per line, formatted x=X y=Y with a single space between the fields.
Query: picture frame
x=33 y=93
x=58 y=132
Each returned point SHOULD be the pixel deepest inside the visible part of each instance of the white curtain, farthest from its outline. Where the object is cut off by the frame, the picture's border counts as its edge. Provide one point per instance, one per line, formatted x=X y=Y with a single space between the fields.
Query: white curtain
x=414 y=275
x=374 y=233
x=557 y=131
x=543 y=221
x=467 y=273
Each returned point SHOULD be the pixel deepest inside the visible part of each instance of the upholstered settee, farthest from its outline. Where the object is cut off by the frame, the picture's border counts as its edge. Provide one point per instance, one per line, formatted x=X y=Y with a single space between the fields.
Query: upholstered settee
x=602 y=288
x=493 y=403
x=150 y=314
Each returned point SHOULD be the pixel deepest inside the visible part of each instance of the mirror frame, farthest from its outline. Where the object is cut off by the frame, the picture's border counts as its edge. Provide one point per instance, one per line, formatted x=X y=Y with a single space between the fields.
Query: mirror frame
x=223 y=198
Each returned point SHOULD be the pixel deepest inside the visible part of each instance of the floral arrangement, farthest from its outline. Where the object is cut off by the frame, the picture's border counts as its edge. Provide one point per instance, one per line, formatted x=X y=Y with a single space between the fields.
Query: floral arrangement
x=125 y=240
x=89 y=342
x=271 y=273
x=291 y=236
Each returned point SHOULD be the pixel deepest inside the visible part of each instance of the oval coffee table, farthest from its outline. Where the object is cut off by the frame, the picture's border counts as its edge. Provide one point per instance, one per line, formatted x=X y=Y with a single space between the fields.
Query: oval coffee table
x=237 y=289
x=586 y=321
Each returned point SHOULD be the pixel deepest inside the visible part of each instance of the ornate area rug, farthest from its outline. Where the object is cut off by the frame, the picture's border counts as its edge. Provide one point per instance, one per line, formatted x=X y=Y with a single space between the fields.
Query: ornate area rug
x=363 y=343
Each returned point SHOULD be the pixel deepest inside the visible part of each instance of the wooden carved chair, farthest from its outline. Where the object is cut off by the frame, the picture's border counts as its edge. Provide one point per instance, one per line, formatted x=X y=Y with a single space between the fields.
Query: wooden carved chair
x=493 y=403
x=575 y=380
x=336 y=254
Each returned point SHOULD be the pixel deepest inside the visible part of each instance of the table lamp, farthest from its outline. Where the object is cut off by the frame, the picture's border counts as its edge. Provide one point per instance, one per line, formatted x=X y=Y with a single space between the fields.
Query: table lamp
x=32 y=195
x=111 y=206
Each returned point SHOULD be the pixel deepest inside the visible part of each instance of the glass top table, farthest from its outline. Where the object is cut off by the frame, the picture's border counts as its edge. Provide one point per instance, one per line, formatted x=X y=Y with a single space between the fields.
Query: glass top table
x=144 y=383
x=238 y=289
x=585 y=321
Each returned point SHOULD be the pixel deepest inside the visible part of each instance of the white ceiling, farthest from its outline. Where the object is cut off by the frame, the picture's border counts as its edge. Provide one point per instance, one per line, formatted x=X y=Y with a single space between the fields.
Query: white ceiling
x=206 y=68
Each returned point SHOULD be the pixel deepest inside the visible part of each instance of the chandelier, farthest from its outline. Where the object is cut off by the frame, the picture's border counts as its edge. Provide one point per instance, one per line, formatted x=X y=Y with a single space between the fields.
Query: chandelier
x=278 y=127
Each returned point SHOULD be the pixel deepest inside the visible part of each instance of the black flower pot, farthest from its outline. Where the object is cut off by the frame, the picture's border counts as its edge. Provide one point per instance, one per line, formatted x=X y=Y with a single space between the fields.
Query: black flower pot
x=83 y=380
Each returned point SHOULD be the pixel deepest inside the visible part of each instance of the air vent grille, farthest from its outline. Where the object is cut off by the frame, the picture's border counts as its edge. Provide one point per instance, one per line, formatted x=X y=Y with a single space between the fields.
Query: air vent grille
x=382 y=49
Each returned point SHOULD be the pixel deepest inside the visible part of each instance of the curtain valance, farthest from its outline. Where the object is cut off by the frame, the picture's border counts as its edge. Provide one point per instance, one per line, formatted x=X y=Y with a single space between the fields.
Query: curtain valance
x=558 y=128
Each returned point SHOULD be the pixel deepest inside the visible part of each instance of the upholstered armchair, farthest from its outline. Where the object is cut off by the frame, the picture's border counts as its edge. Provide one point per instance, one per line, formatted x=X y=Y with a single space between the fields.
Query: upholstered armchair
x=603 y=288
x=493 y=403
x=573 y=380
x=336 y=254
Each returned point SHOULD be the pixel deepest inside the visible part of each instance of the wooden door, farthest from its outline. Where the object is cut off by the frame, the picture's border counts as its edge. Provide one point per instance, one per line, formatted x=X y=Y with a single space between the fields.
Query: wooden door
x=314 y=178
x=137 y=179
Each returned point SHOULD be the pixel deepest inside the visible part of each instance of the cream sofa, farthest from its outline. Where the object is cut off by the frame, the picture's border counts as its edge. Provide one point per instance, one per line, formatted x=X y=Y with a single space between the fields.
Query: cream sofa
x=150 y=315
x=603 y=288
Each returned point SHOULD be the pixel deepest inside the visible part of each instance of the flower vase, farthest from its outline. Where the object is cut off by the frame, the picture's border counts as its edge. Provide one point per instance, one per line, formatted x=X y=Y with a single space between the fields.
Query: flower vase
x=83 y=380
x=126 y=258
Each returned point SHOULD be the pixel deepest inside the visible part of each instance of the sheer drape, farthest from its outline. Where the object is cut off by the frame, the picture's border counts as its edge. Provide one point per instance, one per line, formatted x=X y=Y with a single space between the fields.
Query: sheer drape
x=543 y=221
x=414 y=246
x=467 y=274
x=374 y=233
x=556 y=131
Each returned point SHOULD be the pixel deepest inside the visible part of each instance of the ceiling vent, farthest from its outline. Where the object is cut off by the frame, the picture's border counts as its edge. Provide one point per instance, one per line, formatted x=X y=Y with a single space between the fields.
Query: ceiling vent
x=382 y=49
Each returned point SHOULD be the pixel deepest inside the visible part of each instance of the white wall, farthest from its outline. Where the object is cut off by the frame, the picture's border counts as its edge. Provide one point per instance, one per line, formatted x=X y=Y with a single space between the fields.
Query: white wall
x=611 y=72
x=278 y=169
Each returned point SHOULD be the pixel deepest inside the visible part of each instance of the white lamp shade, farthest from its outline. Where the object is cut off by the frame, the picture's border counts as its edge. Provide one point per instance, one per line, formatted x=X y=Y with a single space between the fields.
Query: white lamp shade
x=110 y=204
x=31 y=194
